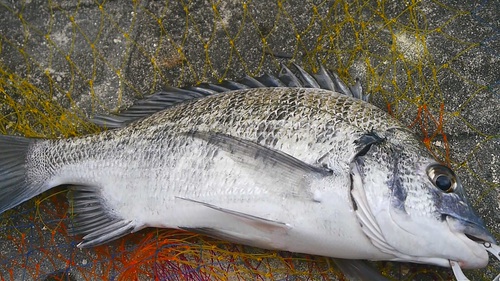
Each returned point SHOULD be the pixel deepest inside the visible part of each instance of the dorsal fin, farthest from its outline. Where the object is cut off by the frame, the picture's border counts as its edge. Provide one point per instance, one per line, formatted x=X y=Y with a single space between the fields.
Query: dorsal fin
x=173 y=96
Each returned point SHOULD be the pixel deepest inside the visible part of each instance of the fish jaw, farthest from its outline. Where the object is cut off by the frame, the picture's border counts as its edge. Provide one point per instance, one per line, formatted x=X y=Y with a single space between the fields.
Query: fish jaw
x=428 y=240
x=474 y=236
x=432 y=242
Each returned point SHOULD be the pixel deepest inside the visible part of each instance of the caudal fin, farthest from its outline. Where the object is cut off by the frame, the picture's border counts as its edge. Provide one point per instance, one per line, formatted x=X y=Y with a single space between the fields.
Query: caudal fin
x=14 y=188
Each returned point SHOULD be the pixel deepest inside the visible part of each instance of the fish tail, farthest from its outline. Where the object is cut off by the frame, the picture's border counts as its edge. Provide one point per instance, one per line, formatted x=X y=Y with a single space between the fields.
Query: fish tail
x=14 y=187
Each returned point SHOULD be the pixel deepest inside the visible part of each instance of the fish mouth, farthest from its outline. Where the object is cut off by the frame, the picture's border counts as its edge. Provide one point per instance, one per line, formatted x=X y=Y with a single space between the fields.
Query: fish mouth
x=474 y=230
x=477 y=232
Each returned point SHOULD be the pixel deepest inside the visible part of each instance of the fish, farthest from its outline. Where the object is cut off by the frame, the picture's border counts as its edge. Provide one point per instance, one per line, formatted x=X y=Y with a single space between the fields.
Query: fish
x=298 y=162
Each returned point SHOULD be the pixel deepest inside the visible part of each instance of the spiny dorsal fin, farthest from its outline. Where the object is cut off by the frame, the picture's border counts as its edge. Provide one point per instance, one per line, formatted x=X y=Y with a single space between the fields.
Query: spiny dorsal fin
x=173 y=96
x=94 y=220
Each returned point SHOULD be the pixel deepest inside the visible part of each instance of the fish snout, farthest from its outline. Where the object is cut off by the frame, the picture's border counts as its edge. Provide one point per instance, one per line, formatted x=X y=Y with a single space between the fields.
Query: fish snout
x=473 y=228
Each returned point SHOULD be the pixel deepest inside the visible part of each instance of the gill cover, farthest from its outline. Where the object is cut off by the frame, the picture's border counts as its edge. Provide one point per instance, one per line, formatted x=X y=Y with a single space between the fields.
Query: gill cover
x=411 y=207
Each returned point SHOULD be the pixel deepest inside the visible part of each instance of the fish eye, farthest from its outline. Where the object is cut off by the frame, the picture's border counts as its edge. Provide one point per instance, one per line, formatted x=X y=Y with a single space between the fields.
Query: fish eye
x=443 y=182
x=442 y=177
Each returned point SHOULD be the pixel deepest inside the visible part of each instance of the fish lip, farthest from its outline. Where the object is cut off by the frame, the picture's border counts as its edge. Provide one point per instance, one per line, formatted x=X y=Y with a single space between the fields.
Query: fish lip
x=475 y=231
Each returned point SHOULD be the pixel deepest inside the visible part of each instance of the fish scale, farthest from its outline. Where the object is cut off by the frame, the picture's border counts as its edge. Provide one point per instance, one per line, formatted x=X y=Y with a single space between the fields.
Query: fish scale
x=301 y=169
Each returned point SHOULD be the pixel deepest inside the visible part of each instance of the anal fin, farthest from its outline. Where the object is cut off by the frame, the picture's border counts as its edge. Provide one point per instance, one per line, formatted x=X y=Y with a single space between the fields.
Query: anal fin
x=91 y=218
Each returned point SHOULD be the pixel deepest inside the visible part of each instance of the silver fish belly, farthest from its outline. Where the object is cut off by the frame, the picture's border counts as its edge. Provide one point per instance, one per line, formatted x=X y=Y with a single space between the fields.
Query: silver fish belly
x=306 y=170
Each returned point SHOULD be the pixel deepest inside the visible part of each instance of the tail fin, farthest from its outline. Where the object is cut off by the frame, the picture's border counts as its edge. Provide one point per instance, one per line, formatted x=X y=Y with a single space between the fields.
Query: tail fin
x=14 y=189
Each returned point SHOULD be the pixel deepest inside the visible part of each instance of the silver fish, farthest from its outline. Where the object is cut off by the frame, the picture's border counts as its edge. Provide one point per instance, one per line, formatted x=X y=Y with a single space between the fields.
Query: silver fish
x=297 y=162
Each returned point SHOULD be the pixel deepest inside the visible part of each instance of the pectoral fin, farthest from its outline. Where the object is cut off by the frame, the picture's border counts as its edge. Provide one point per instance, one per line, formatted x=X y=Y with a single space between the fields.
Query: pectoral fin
x=246 y=150
x=267 y=165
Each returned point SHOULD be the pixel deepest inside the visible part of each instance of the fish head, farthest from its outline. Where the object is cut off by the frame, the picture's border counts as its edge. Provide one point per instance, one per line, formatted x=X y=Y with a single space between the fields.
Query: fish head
x=413 y=207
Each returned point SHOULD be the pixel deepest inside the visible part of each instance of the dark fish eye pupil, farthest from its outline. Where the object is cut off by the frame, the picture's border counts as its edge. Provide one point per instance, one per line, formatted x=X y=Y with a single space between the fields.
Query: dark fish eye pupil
x=443 y=182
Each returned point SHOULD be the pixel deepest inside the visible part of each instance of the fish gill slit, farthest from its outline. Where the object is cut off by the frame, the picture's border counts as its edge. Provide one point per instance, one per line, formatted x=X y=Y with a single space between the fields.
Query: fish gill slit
x=354 y=205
